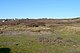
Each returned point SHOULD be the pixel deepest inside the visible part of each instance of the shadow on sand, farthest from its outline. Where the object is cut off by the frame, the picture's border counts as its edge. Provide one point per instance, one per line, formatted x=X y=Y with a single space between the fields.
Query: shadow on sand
x=5 y=50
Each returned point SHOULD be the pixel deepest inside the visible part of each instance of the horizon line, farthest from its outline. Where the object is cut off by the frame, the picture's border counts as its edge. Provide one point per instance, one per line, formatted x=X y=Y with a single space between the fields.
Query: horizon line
x=38 y=17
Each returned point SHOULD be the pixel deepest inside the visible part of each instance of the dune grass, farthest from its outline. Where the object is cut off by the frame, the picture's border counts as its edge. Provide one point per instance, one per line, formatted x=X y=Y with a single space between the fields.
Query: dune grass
x=61 y=40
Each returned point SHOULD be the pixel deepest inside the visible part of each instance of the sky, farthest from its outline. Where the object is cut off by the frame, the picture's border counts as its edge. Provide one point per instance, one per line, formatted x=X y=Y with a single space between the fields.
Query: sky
x=39 y=8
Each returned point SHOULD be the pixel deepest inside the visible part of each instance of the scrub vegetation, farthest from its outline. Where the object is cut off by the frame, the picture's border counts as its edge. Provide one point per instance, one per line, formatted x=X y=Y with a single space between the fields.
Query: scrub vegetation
x=40 y=35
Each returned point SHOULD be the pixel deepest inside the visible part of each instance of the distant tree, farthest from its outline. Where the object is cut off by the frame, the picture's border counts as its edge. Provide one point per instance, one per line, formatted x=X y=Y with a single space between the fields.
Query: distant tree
x=77 y=18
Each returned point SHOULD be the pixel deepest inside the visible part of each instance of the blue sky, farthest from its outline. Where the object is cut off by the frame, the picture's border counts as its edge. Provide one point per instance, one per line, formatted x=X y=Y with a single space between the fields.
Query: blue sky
x=39 y=8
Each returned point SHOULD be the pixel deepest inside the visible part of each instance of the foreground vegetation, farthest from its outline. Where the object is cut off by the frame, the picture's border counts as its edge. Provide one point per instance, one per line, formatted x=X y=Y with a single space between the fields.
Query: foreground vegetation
x=64 y=39
x=43 y=36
